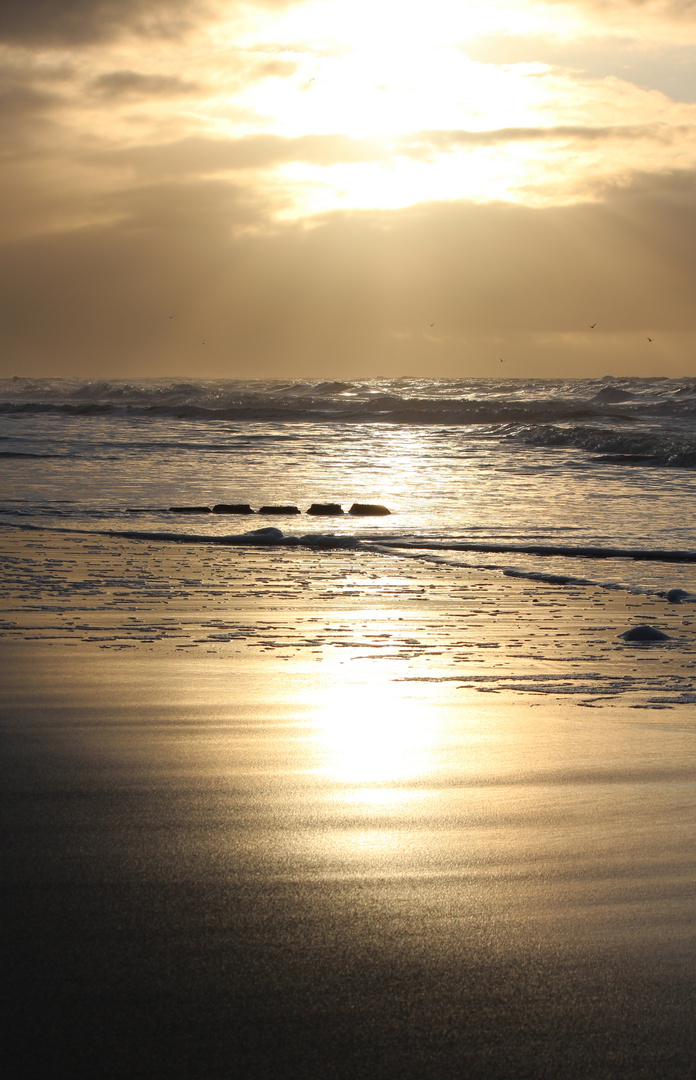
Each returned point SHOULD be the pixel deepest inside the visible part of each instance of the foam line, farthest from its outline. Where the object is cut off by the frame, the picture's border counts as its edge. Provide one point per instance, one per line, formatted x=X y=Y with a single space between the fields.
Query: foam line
x=274 y=536
x=268 y=537
x=511 y=571
x=271 y=537
x=572 y=552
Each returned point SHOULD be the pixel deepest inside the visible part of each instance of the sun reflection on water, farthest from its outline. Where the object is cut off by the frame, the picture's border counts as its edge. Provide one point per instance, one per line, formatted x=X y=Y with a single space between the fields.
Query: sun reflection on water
x=373 y=736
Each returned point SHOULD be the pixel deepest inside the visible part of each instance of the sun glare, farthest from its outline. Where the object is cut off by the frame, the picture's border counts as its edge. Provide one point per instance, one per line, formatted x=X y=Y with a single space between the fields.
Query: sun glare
x=389 y=109
x=368 y=94
x=374 y=733
x=395 y=24
x=395 y=74
x=481 y=175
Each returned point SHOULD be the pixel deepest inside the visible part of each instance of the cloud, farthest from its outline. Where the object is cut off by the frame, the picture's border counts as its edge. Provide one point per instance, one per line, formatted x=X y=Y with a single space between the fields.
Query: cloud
x=80 y=22
x=450 y=140
x=31 y=87
x=28 y=98
x=203 y=155
x=129 y=84
x=353 y=293
x=274 y=68
x=61 y=22
x=678 y=9
x=200 y=154
x=649 y=19
x=668 y=67
x=19 y=100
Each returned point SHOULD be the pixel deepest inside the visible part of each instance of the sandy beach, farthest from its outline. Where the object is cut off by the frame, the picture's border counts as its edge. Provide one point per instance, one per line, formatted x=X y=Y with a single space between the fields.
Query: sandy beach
x=310 y=814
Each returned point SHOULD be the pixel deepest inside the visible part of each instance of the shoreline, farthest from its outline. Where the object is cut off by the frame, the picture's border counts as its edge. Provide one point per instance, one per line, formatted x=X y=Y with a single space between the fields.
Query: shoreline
x=430 y=621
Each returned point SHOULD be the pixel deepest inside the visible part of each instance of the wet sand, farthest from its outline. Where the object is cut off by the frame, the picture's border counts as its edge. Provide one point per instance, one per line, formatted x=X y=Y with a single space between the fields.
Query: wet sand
x=310 y=814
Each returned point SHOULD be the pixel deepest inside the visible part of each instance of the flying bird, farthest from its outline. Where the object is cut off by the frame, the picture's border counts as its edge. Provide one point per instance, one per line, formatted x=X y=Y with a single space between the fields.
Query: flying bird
x=649 y=339
x=593 y=326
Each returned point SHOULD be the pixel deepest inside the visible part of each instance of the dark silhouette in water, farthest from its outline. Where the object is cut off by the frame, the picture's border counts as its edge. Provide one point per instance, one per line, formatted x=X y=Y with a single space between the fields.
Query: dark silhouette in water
x=232 y=508
x=644 y=633
x=368 y=510
x=325 y=509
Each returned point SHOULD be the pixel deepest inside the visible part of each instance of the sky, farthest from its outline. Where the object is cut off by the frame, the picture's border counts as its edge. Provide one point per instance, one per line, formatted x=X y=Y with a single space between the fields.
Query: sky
x=347 y=189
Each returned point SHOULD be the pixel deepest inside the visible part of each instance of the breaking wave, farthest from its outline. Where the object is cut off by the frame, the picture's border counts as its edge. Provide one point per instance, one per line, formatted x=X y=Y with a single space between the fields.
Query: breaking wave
x=636 y=447
x=398 y=401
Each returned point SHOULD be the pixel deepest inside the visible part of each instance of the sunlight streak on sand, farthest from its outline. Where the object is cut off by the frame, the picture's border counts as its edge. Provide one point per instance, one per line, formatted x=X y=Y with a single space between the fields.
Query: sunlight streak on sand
x=374 y=732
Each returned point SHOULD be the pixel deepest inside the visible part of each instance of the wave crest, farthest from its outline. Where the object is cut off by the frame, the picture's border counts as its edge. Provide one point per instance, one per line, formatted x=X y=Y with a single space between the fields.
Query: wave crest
x=447 y=403
x=616 y=447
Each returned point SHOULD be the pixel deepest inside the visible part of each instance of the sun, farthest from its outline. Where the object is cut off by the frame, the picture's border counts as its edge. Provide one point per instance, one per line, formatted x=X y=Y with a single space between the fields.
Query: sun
x=389 y=105
x=391 y=25
x=384 y=69
x=395 y=76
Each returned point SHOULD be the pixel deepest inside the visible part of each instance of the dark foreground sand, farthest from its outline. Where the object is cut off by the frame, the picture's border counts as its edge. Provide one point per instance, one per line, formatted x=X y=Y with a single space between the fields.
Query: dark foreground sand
x=302 y=815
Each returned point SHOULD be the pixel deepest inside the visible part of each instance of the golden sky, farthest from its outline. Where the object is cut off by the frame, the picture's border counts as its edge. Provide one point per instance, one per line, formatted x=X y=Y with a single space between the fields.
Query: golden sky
x=348 y=188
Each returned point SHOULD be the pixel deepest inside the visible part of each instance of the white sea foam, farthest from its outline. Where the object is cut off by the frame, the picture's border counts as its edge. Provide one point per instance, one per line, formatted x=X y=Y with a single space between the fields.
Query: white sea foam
x=405 y=401
x=423 y=552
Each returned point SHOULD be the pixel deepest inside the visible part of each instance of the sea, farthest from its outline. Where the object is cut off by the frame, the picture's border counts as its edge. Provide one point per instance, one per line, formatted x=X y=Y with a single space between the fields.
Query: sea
x=589 y=481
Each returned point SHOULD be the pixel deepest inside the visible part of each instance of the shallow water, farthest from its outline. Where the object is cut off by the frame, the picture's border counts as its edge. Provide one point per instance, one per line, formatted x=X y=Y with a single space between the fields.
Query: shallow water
x=605 y=463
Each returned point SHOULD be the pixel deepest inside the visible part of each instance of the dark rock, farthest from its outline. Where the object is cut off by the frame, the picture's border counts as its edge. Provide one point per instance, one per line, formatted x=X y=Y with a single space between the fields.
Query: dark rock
x=190 y=510
x=279 y=510
x=674 y=596
x=368 y=510
x=644 y=633
x=325 y=509
x=232 y=508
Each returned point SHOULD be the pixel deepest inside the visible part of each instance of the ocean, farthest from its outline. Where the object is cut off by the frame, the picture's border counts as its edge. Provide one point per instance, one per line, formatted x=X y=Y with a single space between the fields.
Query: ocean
x=584 y=480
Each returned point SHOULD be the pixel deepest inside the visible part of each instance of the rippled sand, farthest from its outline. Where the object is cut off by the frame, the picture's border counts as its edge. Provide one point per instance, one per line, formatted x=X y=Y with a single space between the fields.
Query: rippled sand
x=315 y=814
